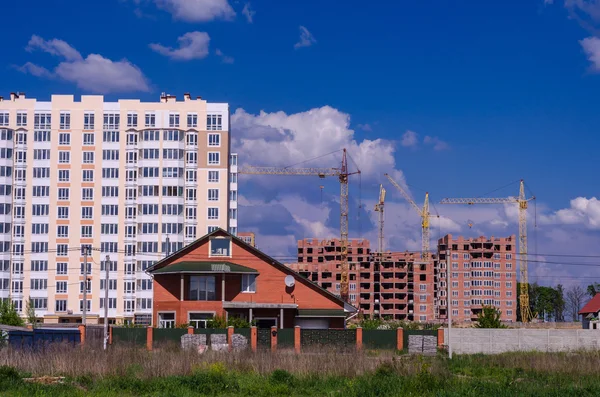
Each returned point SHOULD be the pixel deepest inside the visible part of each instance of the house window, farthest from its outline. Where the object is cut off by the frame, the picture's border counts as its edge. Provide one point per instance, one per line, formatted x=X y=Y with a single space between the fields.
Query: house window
x=202 y=288
x=199 y=320
x=220 y=247
x=248 y=282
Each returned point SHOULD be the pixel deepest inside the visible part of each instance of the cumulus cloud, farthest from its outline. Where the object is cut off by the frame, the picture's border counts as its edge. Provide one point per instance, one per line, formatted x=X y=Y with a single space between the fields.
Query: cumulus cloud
x=93 y=73
x=224 y=58
x=197 y=10
x=582 y=211
x=409 y=139
x=436 y=143
x=192 y=45
x=591 y=47
x=248 y=13
x=306 y=38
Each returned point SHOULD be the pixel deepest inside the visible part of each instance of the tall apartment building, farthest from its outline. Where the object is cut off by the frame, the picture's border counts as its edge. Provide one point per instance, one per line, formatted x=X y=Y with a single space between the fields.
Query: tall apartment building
x=398 y=285
x=248 y=237
x=127 y=181
x=482 y=272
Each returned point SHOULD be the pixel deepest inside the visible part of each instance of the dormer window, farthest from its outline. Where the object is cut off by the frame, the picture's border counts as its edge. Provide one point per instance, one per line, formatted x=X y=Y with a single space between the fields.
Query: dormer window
x=220 y=246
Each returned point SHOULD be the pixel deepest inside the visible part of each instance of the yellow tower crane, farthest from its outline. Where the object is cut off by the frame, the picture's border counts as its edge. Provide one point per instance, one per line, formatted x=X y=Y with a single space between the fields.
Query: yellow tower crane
x=423 y=213
x=522 y=201
x=379 y=208
x=342 y=173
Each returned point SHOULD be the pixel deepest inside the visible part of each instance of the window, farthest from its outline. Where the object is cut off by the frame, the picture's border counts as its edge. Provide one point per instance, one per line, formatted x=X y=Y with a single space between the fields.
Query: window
x=63 y=193
x=248 y=282
x=192 y=120
x=88 y=123
x=87 y=212
x=65 y=121
x=422 y=287
x=88 y=306
x=62 y=249
x=108 y=247
x=88 y=157
x=21 y=119
x=87 y=194
x=132 y=138
x=213 y=158
x=173 y=120
x=61 y=287
x=112 y=303
x=17 y=287
x=190 y=232
x=214 y=122
x=88 y=139
x=61 y=305
x=41 y=191
x=192 y=139
x=39 y=284
x=214 y=140
x=111 y=210
x=86 y=231
x=191 y=157
x=233 y=195
x=202 y=288
x=39 y=209
x=150 y=120
x=213 y=194
x=39 y=266
x=20 y=156
x=112 y=267
x=64 y=138
x=110 y=173
x=509 y=265
x=42 y=121
x=149 y=154
x=112 y=284
x=213 y=176
x=111 y=122
x=190 y=213
x=41 y=172
x=88 y=286
x=213 y=213
x=172 y=154
x=220 y=246
x=111 y=154
x=64 y=175
x=110 y=136
x=166 y=320
x=3 y=119
x=191 y=176
x=233 y=213
x=62 y=231
x=508 y=256
x=132 y=119
x=88 y=176
x=199 y=320
x=39 y=303
x=61 y=268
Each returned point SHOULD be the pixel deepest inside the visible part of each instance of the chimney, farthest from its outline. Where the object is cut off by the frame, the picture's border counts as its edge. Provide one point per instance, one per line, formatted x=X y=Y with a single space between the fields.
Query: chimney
x=198 y=97
x=1 y=98
x=13 y=96
x=187 y=96
x=21 y=95
x=163 y=97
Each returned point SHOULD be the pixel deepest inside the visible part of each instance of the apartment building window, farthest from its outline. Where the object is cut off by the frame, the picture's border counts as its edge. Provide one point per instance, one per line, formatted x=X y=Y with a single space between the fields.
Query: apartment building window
x=150 y=154
x=41 y=154
x=62 y=250
x=112 y=284
x=130 y=231
x=190 y=213
x=112 y=302
x=64 y=138
x=88 y=122
x=110 y=136
x=109 y=228
x=172 y=191
x=173 y=120
x=423 y=308
x=192 y=139
x=64 y=175
x=110 y=173
x=214 y=140
x=5 y=190
x=232 y=213
x=213 y=194
x=3 y=119
x=150 y=120
x=214 y=122
x=87 y=212
x=148 y=228
x=63 y=212
x=172 y=135
x=87 y=194
x=62 y=231
x=111 y=122
x=39 y=266
x=39 y=284
x=41 y=191
x=39 y=303
x=508 y=256
x=18 y=231
x=21 y=119
x=63 y=193
x=248 y=283
x=132 y=119
x=39 y=172
x=191 y=194
x=150 y=172
x=61 y=305
x=61 y=287
x=88 y=139
x=86 y=231
x=130 y=194
x=422 y=287
x=61 y=268
x=233 y=159
x=65 y=121
x=88 y=176
x=232 y=177
x=82 y=268
x=130 y=212
x=508 y=265
x=129 y=306
x=213 y=176
x=110 y=191
x=173 y=154
x=213 y=158
x=192 y=120
x=108 y=247
x=17 y=287
x=172 y=172
x=110 y=210
x=88 y=305
x=20 y=156
x=190 y=232
x=151 y=136
x=191 y=176
x=110 y=154
x=131 y=157
x=42 y=121
x=20 y=175
x=88 y=157
x=233 y=195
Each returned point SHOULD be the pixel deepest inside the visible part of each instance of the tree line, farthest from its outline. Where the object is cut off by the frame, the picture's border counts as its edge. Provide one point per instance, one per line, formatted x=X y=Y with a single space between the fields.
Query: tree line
x=557 y=303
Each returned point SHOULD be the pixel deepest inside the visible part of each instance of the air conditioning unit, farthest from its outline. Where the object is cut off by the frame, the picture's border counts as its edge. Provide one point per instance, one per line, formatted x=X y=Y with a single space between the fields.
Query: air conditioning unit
x=69 y=311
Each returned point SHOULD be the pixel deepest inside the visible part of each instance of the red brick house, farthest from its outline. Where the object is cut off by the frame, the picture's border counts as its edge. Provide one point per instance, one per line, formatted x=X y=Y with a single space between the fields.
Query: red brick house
x=220 y=274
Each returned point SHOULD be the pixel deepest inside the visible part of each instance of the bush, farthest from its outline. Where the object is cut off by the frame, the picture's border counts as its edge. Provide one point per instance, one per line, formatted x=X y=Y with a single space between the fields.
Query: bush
x=489 y=317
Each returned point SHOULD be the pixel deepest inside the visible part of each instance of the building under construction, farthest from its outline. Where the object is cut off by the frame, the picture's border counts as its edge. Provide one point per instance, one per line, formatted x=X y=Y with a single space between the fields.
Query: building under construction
x=397 y=285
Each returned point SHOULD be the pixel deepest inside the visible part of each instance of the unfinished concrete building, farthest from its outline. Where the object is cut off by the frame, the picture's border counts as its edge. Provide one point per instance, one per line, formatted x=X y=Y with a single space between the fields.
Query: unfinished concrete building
x=483 y=271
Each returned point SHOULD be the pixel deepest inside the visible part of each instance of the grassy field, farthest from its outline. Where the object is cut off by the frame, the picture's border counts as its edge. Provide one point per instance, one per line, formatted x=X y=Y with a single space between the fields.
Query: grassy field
x=169 y=372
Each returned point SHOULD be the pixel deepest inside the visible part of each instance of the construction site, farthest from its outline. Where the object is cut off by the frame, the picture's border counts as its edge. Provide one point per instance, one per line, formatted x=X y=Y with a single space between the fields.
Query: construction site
x=452 y=282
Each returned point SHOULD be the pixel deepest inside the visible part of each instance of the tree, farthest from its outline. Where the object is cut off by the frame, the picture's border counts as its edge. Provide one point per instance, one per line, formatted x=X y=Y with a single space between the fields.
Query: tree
x=30 y=313
x=9 y=315
x=593 y=289
x=575 y=299
x=559 y=303
x=489 y=317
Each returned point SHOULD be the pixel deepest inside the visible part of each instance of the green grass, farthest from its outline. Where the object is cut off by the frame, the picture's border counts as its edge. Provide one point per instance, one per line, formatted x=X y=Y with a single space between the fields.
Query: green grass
x=503 y=375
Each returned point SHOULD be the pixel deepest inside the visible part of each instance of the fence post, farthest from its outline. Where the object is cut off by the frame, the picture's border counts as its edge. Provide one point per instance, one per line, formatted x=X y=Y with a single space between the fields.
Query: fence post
x=273 y=338
x=297 y=342
x=230 y=337
x=149 y=334
x=253 y=338
x=440 y=337
x=82 y=334
x=110 y=331
x=359 y=338
x=190 y=330
x=400 y=339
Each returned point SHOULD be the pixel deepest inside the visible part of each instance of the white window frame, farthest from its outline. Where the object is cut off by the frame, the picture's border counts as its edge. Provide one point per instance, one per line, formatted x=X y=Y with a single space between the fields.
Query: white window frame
x=208 y=161
x=212 y=134
x=160 y=322
x=247 y=286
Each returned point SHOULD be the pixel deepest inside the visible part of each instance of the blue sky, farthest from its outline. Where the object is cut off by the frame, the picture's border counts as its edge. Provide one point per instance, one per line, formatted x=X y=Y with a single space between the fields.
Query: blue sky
x=491 y=91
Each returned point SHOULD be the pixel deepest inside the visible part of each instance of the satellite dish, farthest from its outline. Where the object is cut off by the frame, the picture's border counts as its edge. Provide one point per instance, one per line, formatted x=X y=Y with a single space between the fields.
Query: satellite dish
x=289 y=280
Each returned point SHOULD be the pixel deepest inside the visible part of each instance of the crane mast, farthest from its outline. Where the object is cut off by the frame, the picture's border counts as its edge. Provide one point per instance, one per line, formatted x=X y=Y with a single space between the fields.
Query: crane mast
x=379 y=208
x=522 y=201
x=342 y=173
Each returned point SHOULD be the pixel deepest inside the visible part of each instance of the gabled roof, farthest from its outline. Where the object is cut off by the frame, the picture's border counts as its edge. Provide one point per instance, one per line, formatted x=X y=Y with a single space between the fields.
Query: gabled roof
x=204 y=267
x=169 y=261
x=593 y=306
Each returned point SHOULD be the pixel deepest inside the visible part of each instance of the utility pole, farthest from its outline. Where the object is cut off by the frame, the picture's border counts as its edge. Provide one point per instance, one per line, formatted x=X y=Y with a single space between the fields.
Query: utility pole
x=106 y=268
x=85 y=276
x=448 y=300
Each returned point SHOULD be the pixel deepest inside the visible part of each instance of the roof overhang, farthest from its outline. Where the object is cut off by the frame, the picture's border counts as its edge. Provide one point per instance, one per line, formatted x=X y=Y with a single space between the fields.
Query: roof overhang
x=256 y=305
x=204 y=267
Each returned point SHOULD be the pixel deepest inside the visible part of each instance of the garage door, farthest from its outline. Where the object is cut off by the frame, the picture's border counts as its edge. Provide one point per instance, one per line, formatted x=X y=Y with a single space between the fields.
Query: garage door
x=312 y=323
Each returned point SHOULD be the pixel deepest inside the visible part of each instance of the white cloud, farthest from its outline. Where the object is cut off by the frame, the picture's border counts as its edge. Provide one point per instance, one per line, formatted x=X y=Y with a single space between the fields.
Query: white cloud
x=94 y=73
x=437 y=143
x=306 y=38
x=197 y=10
x=409 y=139
x=582 y=211
x=224 y=58
x=192 y=45
x=248 y=13
x=365 y=127
x=591 y=47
